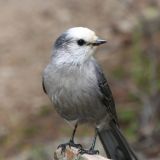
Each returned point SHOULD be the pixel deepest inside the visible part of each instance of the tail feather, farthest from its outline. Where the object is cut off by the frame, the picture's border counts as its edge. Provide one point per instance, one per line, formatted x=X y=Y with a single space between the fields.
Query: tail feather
x=115 y=145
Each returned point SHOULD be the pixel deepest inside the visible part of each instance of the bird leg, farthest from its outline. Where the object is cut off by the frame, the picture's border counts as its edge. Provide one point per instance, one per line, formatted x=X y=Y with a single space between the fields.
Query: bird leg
x=91 y=150
x=71 y=141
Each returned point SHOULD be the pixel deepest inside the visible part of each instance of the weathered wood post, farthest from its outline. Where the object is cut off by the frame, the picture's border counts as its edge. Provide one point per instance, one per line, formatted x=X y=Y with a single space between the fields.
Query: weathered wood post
x=73 y=154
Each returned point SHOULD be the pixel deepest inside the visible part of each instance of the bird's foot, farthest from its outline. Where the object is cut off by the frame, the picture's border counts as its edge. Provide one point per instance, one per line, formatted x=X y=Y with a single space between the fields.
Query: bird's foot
x=91 y=151
x=70 y=144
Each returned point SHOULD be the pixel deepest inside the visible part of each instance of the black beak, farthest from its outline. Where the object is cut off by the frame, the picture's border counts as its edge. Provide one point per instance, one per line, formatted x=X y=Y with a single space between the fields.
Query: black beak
x=99 y=42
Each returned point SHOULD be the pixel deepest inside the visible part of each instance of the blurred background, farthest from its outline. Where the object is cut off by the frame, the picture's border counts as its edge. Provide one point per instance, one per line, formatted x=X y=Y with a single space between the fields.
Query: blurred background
x=30 y=129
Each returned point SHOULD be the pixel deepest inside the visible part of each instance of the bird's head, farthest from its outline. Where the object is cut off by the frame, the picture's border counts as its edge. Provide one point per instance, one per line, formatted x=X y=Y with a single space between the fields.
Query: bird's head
x=76 y=45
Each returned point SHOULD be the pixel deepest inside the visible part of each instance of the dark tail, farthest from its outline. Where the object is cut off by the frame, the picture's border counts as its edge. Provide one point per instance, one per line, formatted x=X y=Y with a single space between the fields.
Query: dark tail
x=115 y=145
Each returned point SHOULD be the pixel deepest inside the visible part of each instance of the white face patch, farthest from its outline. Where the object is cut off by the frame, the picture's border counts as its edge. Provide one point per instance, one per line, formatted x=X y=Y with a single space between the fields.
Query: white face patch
x=69 y=51
x=82 y=33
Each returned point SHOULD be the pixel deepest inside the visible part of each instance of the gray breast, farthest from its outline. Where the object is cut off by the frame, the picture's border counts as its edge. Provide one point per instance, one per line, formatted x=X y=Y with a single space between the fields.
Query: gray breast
x=74 y=92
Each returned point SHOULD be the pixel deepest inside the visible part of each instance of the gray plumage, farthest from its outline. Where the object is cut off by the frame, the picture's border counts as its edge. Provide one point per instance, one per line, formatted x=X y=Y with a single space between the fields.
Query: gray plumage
x=75 y=92
x=77 y=87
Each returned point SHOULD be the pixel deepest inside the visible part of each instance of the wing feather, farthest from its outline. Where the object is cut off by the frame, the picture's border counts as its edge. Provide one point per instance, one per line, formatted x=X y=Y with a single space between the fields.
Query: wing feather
x=43 y=86
x=107 y=98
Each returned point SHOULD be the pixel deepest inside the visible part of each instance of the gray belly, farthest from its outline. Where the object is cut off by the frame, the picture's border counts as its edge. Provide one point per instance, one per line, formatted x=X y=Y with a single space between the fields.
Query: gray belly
x=82 y=104
x=75 y=93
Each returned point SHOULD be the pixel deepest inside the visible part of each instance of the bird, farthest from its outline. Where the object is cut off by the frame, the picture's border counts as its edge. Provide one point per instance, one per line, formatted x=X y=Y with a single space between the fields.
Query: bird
x=76 y=85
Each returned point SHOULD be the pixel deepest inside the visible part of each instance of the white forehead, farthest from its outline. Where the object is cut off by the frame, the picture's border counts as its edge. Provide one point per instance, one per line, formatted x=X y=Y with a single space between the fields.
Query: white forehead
x=82 y=33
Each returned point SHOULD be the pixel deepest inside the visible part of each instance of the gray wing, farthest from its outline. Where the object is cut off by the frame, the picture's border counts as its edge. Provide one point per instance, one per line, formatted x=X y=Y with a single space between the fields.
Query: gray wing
x=107 y=98
x=43 y=86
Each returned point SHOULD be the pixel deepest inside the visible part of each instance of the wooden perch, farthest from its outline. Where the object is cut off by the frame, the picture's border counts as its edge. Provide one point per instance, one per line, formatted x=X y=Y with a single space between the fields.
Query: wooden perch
x=73 y=154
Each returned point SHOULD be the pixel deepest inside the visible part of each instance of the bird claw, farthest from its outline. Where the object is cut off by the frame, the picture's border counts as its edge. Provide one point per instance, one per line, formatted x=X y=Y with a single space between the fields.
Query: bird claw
x=79 y=146
x=90 y=151
x=70 y=144
x=63 y=147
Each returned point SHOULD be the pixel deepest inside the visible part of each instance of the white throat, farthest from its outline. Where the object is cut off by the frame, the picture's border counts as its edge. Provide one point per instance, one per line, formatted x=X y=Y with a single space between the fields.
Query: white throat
x=67 y=58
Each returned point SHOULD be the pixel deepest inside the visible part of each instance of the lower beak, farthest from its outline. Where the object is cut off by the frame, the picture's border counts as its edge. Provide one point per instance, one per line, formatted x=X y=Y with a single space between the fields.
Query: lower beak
x=99 y=42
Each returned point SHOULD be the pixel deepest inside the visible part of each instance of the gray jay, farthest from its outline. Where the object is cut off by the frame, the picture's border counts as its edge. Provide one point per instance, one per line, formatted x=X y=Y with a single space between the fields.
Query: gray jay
x=78 y=89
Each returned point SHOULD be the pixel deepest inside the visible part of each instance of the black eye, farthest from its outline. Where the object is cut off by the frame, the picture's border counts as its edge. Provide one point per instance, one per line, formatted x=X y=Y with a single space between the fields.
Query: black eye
x=81 y=42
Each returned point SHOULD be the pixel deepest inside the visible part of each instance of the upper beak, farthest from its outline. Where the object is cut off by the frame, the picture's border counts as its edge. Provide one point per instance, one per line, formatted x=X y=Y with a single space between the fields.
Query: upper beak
x=99 y=42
